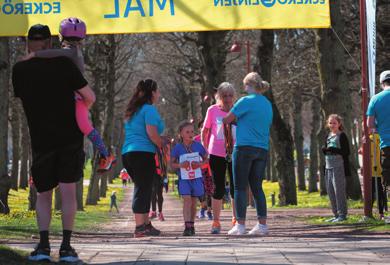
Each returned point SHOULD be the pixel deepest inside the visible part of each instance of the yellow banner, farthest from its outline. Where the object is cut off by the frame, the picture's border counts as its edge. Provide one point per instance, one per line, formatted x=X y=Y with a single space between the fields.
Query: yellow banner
x=136 y=16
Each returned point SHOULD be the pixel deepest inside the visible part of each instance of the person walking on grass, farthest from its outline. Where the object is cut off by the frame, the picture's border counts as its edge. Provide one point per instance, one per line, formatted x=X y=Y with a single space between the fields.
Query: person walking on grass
x=188 y=157
x=253 y=115
x=143 y=127
x=113 y=202
x=46 y=88
x=336 y=151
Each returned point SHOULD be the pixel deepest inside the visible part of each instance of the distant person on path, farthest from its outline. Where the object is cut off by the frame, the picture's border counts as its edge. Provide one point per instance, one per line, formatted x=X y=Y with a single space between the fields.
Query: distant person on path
x=46 y=88
x=213 y=138
x=157 y=192
x=378 y=119
x=143 y=127
x=72 y=33
x=253 y=115
x=206 y=199
x=336 y=151
x=188 y=157
x=113 y=202
x=124 y=177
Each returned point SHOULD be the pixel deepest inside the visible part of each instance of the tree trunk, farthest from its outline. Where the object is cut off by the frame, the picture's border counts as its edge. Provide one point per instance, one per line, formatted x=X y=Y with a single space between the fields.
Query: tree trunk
x=32 y=198
x=57 y=199
x=298 y=139
x=93 y=188
x=213 y=50
x=335 y=93
x=5 y=182
x=313 y=169
x=274 y=175
x=320 y=138
x=280 y=132
x=103 y=185
x=79 y=194
x=5 y=186
x=99 y=71
x=16 y=111
x=24 y=163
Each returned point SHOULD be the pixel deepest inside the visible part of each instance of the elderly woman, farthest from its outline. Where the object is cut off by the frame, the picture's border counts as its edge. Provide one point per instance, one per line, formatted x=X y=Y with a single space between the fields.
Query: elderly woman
x=213 y=139
x=253 y=115
x=143 y=127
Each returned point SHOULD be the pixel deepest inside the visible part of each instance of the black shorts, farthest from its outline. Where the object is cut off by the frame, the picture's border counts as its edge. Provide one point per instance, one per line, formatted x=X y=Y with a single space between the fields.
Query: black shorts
x=64 y=165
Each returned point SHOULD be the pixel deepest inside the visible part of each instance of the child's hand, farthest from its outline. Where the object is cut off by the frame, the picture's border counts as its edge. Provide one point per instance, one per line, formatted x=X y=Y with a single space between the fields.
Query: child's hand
x=195 y=165
x=185 y=165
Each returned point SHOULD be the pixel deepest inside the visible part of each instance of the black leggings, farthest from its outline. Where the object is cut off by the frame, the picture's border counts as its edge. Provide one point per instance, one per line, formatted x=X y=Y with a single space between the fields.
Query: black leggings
x=218 y=167
x=142 y=167
x=157 y=193
x=386 y=166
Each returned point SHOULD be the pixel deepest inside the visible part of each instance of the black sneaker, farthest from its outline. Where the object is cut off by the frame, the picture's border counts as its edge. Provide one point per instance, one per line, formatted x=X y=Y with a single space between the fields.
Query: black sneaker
x=192 y=231
x=40 y=254
x=150 y=230
x=68 y=255
x=187 y=231
x=140 y=231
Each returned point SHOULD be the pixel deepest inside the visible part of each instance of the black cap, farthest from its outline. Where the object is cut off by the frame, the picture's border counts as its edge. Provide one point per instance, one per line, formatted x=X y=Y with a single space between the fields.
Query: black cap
x=39 y=32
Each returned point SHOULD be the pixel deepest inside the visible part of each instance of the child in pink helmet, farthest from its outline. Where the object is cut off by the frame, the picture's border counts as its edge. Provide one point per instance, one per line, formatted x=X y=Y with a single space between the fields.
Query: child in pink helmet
x=72 y=32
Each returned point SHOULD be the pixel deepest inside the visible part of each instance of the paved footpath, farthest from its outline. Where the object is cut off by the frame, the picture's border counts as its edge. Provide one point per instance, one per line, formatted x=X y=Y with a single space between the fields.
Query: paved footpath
x=291 y=241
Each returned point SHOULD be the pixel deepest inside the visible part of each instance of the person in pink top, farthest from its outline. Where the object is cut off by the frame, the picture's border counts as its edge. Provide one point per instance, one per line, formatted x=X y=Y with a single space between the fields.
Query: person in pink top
x=214 y=140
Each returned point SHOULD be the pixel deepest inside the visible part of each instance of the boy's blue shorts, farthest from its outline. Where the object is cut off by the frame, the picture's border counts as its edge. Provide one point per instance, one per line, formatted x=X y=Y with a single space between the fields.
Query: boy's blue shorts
x=191 y=187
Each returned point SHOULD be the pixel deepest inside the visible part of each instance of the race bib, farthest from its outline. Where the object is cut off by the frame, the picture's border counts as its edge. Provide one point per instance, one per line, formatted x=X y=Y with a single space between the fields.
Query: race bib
x=189 y=173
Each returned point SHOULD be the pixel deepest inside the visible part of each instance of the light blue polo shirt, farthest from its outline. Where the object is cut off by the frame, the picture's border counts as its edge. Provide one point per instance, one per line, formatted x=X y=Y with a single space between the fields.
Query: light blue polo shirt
x=254 y=119
x=379 y=108
x=136 y=137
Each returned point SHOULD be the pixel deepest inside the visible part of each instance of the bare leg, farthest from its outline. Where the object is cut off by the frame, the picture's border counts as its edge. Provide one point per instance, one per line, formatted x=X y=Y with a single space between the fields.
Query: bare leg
x=43 y=206
x=217 y=206
x=187 y=208
x=69 y=204
x=193 y=205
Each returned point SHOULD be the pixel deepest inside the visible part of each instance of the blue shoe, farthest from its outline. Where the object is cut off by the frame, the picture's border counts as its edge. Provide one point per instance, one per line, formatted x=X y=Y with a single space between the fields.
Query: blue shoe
x=202 y=214
x=210 y=215
x=40 y=254
x=68 y=255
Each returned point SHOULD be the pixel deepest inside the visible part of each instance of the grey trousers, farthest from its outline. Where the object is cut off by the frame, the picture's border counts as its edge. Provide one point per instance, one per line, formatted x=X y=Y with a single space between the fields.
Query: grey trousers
x=335 y=185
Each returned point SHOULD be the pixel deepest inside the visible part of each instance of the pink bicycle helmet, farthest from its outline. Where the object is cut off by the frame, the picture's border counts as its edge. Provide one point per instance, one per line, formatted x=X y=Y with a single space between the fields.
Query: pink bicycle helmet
x=73 y=28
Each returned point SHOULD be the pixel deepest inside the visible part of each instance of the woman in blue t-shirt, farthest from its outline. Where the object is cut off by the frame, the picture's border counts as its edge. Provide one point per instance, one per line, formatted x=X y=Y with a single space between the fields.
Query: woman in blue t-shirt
x=143 y=127
x=253 y=114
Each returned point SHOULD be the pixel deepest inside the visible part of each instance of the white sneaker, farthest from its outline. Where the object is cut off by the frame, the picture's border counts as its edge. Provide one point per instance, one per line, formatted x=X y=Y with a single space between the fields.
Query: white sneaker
x=237 y=230
x=259 y=229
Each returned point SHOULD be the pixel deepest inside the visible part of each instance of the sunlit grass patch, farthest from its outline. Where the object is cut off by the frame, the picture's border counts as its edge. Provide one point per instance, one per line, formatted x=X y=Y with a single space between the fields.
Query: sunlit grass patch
x=21 y=223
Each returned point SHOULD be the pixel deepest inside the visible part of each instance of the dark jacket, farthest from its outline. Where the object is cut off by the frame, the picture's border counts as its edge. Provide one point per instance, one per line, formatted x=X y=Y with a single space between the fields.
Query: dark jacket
x=343 y=151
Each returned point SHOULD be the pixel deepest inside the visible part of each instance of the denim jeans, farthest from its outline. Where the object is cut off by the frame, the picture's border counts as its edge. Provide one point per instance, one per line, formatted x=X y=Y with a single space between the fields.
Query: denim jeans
x=249 y=167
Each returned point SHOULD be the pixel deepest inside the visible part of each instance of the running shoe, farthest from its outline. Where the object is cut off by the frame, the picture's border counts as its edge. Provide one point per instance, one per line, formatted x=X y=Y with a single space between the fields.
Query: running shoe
x=259 y=229
x=68 y=255
x=40 y=254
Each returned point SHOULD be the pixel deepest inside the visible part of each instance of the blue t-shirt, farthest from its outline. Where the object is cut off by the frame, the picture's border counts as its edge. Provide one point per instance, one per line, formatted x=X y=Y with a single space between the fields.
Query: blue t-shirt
x=136 y=137
x=254 y=119
x=379 y=108
x=180 y=149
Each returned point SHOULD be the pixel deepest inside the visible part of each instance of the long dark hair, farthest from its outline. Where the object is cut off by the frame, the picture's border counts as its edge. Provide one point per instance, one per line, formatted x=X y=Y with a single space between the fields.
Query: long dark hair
x=143 y=95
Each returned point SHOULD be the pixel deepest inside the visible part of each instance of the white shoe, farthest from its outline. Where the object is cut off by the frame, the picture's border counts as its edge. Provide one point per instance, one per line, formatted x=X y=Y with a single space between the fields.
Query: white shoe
x=259 y=229
x=237 y=230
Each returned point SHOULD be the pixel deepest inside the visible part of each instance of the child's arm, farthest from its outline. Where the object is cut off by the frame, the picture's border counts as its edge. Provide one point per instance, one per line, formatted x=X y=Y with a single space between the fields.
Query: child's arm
x=175 y=164
x=51 y=53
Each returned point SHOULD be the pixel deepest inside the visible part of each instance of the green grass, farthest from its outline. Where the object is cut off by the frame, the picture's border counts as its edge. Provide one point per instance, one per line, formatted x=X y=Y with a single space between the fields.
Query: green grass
x=15 y=257
x=305 y=199
x=353 y=220
x=21 y=223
